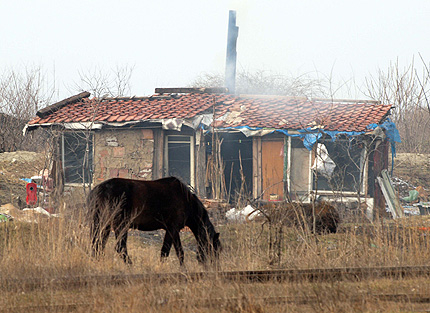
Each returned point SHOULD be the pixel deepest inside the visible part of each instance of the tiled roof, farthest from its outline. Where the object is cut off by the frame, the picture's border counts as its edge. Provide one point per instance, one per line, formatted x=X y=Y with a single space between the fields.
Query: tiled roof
x=231 y=111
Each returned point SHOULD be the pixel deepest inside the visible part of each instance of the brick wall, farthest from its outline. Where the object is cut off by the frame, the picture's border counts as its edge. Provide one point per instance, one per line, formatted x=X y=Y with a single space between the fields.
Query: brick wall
x=123 y=153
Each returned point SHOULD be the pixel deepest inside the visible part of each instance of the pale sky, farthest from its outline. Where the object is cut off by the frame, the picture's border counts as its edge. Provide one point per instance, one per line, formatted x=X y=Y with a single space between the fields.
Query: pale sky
x=170 y=43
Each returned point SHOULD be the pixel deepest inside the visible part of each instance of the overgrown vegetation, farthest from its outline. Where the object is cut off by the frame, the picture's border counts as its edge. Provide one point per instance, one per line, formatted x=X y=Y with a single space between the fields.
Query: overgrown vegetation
x=59 y=247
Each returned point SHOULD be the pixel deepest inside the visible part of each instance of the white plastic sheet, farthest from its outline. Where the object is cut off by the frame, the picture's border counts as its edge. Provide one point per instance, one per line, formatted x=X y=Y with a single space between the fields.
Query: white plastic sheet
x=323 y=164
x=241 y=215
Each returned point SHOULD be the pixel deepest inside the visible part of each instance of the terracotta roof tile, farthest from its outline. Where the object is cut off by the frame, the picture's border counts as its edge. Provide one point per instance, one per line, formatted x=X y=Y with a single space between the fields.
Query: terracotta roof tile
x=253 y=111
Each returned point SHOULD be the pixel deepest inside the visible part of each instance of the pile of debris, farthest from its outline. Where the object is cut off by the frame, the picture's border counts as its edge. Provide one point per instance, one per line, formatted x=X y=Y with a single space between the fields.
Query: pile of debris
x=414 y=200
x=9 y=212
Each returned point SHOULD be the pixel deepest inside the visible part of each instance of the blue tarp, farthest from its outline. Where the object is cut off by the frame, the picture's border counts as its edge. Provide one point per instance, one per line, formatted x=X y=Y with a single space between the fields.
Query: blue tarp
x=310 y=136
x=391 y=131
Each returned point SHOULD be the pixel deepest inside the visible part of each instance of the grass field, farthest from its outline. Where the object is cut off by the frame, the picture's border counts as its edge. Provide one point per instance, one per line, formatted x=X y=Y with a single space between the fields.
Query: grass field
x=58 y=247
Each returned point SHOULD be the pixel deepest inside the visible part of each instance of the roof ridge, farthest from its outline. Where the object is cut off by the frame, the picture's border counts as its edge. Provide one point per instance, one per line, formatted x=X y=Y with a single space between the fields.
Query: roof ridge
x=345 y=100
x=56 y=106
x=215 y=90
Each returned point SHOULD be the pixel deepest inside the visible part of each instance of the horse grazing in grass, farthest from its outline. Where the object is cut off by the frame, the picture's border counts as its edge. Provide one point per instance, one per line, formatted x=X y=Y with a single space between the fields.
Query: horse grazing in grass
x=120 y=204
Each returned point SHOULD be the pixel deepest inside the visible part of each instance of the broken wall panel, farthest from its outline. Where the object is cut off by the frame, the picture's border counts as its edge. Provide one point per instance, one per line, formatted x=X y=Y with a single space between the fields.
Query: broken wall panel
x=380 y=162
x=299 y=170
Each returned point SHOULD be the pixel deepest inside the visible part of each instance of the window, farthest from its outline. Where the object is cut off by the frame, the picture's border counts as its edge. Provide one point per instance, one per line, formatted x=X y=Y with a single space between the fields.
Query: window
x=179 y=158
x=77 y=157
x=347 y=156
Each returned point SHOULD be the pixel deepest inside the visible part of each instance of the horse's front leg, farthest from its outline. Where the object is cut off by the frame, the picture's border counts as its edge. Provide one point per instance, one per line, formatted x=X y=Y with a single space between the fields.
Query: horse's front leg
x=167 y=245
x=178 y=247
x=169 y=238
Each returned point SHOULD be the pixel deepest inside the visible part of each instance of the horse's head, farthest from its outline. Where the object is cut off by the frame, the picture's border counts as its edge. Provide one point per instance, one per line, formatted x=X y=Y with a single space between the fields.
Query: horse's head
x=216 y=245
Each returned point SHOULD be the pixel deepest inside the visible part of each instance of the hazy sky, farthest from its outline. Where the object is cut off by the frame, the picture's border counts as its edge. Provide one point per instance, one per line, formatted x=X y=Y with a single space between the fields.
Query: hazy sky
x=169 y=43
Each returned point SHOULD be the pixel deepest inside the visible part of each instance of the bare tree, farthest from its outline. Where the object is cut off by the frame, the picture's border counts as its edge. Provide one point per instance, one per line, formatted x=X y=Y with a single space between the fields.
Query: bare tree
x=21 y=95
x=408 y=92
x=267 y=83
x=101 y=85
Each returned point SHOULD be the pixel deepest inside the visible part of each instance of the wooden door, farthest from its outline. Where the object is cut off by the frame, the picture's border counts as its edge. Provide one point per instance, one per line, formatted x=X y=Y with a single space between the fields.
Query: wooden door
x=272 y=154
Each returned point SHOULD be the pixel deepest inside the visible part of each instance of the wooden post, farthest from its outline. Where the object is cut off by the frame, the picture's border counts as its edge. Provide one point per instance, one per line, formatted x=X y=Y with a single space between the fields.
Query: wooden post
x=256 y=166
x=200 y=164
x=158 y=156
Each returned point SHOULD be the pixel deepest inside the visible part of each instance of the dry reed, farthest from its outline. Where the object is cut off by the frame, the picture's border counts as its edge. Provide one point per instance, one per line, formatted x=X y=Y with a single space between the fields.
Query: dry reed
x=59 y=247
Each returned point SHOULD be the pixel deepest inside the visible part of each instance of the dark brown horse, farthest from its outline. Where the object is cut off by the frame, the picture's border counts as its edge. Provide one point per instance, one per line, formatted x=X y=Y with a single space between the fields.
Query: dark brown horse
x=120 y=204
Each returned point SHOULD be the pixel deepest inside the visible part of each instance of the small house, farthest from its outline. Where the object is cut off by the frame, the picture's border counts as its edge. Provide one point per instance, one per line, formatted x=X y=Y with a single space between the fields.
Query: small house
x=266 y=147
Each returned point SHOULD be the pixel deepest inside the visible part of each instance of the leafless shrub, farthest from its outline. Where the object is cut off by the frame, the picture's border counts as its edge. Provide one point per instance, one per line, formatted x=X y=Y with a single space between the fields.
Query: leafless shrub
x=21 y=95
x=408 y=91
x=101 y=83
x=267 y=83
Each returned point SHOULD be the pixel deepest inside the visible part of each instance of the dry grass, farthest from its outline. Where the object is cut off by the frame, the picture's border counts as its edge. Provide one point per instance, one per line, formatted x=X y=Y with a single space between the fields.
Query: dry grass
x=413 y=168
x=58 y=247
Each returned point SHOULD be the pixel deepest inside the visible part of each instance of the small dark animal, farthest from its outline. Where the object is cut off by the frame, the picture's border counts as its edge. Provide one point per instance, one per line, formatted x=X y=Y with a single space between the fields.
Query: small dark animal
x=301 y=215
x=167 y=203
x=326 y=216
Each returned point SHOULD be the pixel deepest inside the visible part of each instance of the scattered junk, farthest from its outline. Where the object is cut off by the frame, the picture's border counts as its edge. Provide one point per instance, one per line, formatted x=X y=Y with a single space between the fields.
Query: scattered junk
x=31 y=198
x=5 y=217
x=390 y=196
x=424 y=208
x=8 y=212
x=248 y=213
x=413 y=196
x=416 y=203
x=39 y=210
x=38 y=189
x=416 y=195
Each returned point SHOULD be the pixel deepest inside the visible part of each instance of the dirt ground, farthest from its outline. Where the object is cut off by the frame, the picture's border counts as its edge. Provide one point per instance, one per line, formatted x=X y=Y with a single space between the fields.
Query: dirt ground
x=413 y=168
x=410 y=171
x=13 y=167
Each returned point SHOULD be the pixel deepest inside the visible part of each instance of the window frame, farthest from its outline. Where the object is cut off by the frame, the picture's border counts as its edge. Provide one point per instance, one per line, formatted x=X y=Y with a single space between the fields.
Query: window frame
x=363 y=167
x=191 y=142
x=88 y=179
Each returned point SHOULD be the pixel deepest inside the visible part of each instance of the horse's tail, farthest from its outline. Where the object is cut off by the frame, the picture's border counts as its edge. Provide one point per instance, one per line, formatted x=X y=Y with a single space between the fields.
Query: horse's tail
x=96 y=217
x=92 y=215
x=93 y=204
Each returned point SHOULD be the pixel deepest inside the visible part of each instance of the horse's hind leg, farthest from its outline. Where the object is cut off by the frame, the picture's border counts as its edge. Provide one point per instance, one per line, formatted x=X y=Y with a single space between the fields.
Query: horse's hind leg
x=121 y=234
x=99 y=238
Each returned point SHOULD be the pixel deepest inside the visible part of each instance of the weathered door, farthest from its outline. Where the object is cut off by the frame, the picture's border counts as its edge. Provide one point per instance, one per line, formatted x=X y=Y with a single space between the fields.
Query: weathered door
x=299 y=172
x=272 y=153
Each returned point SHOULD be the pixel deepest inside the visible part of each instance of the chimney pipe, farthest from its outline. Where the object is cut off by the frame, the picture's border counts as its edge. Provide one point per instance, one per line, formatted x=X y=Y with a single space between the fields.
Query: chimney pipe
x=230 y=66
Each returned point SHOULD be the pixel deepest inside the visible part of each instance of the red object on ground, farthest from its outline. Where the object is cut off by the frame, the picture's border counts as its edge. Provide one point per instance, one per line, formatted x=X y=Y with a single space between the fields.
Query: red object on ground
x=31 y=194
